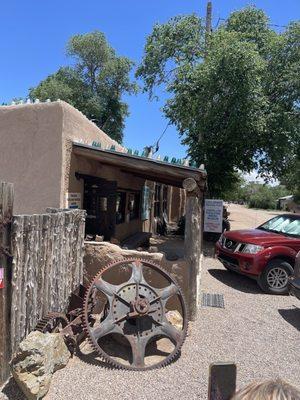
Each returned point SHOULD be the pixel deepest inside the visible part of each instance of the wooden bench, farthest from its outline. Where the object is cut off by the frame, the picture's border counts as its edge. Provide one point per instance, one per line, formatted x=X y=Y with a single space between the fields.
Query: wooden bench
x=136 y=240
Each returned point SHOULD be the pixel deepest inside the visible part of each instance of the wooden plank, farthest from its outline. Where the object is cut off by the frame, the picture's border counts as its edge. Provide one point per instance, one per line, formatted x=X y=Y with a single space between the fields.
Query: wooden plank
x=47 y=266
x=170 y=173
x=18 y=279
x=6 y=210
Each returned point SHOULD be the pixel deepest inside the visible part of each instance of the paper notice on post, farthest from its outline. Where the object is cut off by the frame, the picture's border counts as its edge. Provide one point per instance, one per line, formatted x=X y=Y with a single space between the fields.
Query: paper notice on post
x=213 y=215
x=1 y=278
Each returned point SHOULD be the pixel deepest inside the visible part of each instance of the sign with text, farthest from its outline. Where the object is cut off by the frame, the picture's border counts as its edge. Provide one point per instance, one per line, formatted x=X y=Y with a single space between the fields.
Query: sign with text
x=1 y=278
x=73 y=200
x=213 y=215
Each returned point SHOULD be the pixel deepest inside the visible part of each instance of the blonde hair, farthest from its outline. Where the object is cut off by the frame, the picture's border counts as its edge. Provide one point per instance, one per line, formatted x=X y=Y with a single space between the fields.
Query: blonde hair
x=268 y=390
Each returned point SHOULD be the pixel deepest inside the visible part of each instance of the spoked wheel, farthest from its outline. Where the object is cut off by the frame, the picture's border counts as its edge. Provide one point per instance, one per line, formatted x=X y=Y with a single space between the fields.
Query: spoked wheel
x=277 y=278
x=135 y=312
x=274 y=278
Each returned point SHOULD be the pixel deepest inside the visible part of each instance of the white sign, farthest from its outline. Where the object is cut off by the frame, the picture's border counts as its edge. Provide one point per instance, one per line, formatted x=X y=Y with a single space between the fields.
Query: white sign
x=213 y=216
x=73 y=200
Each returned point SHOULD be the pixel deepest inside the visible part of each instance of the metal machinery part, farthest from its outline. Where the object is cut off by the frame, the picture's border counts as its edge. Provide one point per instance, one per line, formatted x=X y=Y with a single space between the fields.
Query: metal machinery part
x=52 y=322
x=136 y=311
x=69 y=325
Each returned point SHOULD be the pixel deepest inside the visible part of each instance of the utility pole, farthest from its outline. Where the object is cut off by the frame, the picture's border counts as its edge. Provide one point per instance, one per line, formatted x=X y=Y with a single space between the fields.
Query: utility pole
x=208 y=28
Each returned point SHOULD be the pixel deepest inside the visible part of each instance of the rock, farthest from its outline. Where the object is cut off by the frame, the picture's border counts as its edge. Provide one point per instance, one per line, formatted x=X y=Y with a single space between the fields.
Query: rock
x=153 y=249
x=172 y=256
x=99 y=238
x=38 y=356
x=114 y=241
x=175 y=318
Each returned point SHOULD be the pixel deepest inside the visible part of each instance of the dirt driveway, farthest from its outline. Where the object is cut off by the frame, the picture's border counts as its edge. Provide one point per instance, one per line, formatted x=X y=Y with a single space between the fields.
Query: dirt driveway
x=260 y=332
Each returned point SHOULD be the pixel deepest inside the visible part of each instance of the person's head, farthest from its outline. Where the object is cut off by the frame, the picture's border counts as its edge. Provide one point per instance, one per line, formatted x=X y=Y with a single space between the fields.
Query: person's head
x=268 y=390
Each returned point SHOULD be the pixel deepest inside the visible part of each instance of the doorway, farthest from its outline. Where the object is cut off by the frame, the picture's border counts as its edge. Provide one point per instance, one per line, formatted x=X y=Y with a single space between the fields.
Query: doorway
x=99 y=201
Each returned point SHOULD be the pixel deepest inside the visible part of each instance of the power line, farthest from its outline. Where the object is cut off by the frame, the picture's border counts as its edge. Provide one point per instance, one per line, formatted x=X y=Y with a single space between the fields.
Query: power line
x=164 y=131
x=155 y=147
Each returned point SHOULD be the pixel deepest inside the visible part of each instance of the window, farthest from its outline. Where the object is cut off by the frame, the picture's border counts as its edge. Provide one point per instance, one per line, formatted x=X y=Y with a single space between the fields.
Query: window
x=120 y=207
x=285 y=224
x=134 y=205
x=157 y=201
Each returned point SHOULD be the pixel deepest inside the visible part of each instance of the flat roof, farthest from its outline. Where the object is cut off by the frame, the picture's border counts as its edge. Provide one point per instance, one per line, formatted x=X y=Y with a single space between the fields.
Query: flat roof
x=147 y=168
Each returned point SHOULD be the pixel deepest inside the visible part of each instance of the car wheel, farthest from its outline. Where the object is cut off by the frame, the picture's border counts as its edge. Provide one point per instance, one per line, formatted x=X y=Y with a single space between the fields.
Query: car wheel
x=274 y=279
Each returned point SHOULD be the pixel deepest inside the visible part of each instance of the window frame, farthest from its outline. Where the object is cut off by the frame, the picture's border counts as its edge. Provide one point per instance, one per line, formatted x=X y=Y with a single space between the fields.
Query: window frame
x=123 y=202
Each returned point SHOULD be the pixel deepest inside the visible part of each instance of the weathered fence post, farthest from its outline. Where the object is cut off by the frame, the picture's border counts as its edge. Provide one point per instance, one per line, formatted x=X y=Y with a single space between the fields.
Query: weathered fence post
x=193 y=242
x=6 y=209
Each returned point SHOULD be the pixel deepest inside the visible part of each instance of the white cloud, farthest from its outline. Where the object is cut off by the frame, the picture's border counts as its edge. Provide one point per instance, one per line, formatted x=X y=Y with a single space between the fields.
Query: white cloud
x=253 y=177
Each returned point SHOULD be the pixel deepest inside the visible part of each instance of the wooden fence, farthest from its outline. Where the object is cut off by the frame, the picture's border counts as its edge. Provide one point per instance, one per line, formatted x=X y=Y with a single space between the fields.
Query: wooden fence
x=46 y=253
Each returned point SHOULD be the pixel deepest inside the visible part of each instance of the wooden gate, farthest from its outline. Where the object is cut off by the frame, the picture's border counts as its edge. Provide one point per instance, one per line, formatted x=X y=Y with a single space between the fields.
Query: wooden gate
x=44 y=264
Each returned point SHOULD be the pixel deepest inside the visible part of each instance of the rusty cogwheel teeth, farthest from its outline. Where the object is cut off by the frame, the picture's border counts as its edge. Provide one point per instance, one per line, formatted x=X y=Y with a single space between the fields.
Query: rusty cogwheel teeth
x=52 y=322
x=134 y=316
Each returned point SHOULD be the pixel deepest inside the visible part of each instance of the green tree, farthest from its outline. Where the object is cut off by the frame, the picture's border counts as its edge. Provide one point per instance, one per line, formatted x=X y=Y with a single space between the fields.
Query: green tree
x=264 y=196
x=237 y=108
x=94 y=83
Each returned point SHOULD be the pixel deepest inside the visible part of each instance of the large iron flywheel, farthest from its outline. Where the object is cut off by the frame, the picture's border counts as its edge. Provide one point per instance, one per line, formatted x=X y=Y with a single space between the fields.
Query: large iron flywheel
x=133 y=328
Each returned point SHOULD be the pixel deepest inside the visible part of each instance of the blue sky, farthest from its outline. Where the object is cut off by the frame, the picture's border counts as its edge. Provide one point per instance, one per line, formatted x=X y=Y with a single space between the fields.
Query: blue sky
x=34 y=34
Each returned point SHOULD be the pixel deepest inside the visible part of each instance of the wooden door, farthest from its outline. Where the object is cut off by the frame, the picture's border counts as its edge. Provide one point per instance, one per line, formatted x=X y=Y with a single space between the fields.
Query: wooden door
x=100 y=205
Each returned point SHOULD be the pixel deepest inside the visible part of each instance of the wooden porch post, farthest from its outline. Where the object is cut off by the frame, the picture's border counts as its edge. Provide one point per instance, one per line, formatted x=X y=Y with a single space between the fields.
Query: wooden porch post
x=193 y=242
x=6 y=210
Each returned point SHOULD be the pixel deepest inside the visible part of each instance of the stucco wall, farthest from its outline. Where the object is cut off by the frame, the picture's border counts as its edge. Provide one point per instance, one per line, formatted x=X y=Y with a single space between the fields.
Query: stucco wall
x=36 y=144
x=77 y=128
x=31 y=154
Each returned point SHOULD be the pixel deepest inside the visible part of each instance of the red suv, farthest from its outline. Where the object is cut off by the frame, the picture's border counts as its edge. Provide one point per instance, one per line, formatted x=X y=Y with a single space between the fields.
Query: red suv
x=266 y=253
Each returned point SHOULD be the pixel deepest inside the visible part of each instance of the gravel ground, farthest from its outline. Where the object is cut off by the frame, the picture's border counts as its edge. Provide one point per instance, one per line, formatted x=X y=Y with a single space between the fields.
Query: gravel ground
x=260 y=332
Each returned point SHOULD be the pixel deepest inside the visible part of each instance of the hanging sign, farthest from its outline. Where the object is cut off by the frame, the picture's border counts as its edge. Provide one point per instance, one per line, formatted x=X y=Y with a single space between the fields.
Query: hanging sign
x=213 y=216
x=73 y=200
x=1 y=278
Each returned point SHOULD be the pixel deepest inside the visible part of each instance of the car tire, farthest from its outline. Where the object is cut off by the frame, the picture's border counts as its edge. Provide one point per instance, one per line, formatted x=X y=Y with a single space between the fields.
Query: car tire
x=274 y=278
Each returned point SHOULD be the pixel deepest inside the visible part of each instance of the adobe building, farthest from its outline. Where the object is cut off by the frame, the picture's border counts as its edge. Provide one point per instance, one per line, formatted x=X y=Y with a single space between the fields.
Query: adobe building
x=56 y=157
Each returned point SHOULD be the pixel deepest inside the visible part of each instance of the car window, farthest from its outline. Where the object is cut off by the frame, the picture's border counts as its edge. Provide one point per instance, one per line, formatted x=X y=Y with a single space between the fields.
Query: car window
x=283 y=224
x=293 y=227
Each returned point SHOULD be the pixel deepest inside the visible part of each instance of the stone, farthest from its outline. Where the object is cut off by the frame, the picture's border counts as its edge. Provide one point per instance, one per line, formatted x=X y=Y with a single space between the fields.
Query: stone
x=170 y=256
x=153 y=249
x=114 y=241
x=99 y=238
x=38 y=356
x=175 y=318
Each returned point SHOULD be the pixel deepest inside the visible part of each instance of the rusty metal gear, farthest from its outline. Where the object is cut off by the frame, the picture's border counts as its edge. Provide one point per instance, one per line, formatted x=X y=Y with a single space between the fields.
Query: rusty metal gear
x=135 y=311
x=52 y=322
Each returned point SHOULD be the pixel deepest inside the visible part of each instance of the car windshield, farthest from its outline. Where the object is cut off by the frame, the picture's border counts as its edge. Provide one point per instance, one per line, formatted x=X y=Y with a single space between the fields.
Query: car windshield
x=284 y=224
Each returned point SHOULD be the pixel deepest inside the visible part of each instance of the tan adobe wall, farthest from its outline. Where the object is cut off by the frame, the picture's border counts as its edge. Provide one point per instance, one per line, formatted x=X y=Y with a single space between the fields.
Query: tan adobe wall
x=78 y=128
x=31 y=154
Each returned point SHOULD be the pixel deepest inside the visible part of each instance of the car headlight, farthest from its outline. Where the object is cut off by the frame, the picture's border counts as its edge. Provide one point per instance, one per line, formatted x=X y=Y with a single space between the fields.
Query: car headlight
x=252 y=248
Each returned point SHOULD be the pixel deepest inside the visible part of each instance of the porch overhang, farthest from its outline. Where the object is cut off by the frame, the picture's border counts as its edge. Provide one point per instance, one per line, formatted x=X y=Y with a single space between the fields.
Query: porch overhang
x=147 y=168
